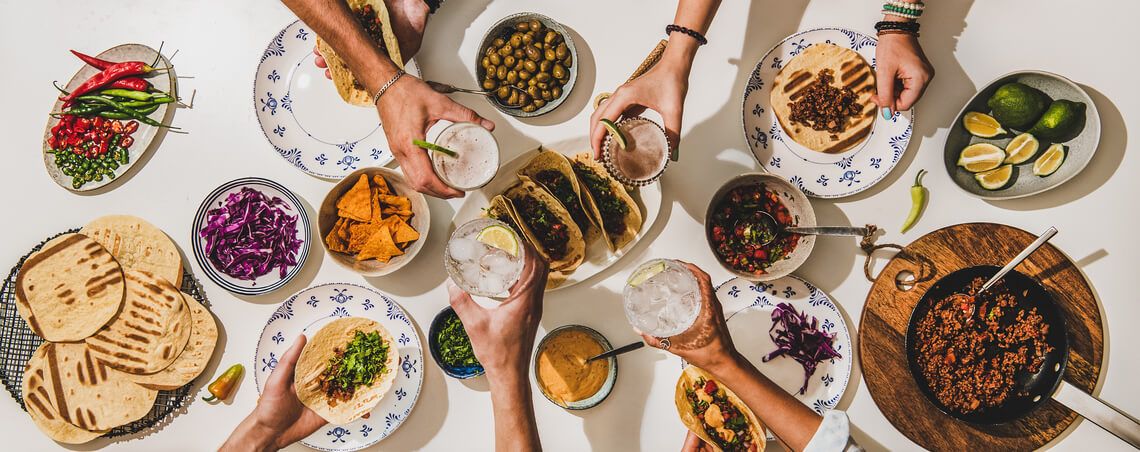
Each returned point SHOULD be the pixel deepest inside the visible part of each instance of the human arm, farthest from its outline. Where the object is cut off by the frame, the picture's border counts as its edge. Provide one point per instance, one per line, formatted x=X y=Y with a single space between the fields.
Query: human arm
x=407 y=109
x=408 y=18
x=502 y=338
x=902 y=71
x=279 y=418
x=664 y=86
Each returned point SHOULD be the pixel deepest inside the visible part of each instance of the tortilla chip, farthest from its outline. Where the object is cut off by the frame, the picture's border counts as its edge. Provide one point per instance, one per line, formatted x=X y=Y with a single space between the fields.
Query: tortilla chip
x=356 y=203
x=396 y=202
x=381 y=185
x=337 y=240
x=359 y=234
x=379 y=246
x=404 y=232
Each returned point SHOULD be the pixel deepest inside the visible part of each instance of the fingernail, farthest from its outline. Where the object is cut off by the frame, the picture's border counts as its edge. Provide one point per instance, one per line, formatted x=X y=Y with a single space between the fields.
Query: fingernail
x=886 y=113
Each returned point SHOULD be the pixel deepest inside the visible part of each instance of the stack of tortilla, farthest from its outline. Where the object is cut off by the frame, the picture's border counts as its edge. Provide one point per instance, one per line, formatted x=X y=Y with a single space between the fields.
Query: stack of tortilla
x=575 y=205
x=116 y=328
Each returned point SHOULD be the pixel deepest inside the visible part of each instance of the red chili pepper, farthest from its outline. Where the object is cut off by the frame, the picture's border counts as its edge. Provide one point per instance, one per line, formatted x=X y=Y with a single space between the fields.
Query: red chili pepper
x=131 y=83
x=109 y=75
x=98 y=63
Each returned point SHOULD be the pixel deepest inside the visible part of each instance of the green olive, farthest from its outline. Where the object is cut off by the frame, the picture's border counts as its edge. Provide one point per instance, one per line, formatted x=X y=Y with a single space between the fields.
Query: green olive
x=547 y=95
x=512 y=77
x=528 y=38
x=535 y=25
x=542 y=77
x=519 y=65
x=501 y=73
x=539 y=45
x=529 y=108
x=522 y=26
x=550 y=55
x=550 y=35
x=489 y=84
x=525 y=75
x=520 y=85
x=486 y=62
x=532 y=82
x=558 y=72
x=568 y=61
x=490 y=50
x=519 y=54
x=514 y=98
x=530 y=66
x=534 y=91
x=542 y=85
x=504 y=92
x=556 y=92
x=533 y=53
x=506 y=50
x=516 y=39
x=524 y=99
x=495 y=59
x=539 y=103
x=498 y=42
x=561 y=51
x=546 y=65
x=509 y=61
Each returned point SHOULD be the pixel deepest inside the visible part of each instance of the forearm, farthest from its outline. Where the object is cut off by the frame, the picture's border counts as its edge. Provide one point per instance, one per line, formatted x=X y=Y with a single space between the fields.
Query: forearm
x=249 y=436
x=515 y=427
x=334 y=22
x=789 y=419
x=695 y=15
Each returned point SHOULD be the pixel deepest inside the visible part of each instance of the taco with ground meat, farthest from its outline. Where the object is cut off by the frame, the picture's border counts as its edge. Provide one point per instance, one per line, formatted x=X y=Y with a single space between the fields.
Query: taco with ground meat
x=822 y=98
x=617 y=213
x=546 y=225
x=552 y=171
x=717 y=415
x=346 y=368
x=373 y=16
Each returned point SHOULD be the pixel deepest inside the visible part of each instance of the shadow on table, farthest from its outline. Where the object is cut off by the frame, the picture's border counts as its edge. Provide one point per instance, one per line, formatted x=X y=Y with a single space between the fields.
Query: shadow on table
x=579 y=96
x=425 y=272
x=426 y=420
x=832 y=258
x=1109 y=154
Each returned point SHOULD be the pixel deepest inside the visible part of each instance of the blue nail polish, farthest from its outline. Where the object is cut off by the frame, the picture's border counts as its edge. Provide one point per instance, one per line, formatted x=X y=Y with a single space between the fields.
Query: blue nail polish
x=886 y=113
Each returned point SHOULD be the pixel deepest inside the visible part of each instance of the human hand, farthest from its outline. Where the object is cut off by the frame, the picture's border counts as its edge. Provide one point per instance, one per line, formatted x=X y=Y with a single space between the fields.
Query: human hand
x=408 y=18
x=662 y=89
x=902 y=72
x=407 y=110
x=502 y=337
x=694 y=443
x=707 y=343
x=280 y=419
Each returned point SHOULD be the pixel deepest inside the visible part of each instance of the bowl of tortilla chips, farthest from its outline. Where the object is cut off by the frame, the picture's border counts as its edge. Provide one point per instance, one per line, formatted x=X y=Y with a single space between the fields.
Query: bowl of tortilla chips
x=372 y=222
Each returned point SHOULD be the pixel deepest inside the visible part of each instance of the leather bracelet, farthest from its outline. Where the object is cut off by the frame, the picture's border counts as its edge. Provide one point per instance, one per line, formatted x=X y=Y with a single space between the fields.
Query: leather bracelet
x=433 y=5
x=669 y=29
x=889 y=25
x=897 y=32
x=380 y=92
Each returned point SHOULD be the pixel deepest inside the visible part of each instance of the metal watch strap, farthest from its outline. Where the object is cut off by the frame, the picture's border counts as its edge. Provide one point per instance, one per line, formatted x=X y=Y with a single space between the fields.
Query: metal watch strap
x=380 y=92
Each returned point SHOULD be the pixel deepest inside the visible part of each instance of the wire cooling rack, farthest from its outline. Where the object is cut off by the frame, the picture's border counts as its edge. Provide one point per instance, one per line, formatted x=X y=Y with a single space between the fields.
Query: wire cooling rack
x=18 y=343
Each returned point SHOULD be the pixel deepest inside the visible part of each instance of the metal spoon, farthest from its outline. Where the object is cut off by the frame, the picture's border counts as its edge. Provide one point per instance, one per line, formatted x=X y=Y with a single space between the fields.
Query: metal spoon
x=618 y=351
x=444 y=88
x=772 y=225
x=1041 y=239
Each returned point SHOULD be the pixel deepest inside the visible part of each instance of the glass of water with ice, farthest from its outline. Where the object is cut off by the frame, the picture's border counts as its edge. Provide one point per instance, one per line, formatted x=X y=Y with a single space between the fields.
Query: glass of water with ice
x=484 y=257
x=662 y=298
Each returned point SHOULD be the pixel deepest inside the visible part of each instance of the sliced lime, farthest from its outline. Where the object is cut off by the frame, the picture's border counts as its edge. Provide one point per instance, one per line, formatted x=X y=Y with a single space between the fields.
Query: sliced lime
x=1021 y=148
x=645 y=273
x=982 y=125
x=1049 y=161
x=995 y=179
x=499 y=237
x=980 y=157
x=613 y=128
x=435 y=147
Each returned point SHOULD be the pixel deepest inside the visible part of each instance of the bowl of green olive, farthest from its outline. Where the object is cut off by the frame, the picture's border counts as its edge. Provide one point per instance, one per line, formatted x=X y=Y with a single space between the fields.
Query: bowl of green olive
x=529 y=62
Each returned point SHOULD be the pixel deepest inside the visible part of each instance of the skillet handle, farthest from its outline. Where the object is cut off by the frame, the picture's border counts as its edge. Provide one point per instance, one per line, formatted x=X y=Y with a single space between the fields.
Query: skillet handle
x=1100 y=413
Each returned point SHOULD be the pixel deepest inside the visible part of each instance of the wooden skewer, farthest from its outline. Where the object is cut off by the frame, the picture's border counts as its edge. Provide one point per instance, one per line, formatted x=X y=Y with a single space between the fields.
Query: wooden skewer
x=646 y=64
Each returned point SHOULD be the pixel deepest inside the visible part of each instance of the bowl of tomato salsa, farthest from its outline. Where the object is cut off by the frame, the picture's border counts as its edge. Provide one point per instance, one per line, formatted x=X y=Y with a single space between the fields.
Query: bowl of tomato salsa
x=750 y=244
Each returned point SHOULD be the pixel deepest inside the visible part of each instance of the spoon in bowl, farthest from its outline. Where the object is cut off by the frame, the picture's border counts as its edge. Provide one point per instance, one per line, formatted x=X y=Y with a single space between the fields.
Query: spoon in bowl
x=767 y=228
x=444 y=88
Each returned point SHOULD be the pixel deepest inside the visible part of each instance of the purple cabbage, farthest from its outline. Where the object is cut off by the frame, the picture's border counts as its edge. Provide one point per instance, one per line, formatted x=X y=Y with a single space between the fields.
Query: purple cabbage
x=250 y=234
x=799 y=339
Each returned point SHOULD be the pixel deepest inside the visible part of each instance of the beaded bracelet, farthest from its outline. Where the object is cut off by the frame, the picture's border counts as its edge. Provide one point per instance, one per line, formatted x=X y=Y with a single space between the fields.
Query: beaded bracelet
x=902 y=15
x=669 y=29
x=890 y=25
x=908 y=5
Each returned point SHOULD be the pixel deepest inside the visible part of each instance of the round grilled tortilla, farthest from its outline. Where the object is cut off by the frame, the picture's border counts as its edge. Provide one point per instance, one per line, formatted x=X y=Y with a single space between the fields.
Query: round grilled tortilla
x=341 y=75
x=575 y=245
x=69 y=289
x=89 y=394
x=194 y=358
x=150 y=332
x=547 y=159
x=688 y=377
x=38 y=391
x=850 y=70
x=632 y=218
x=137 y=245
x=315 y=357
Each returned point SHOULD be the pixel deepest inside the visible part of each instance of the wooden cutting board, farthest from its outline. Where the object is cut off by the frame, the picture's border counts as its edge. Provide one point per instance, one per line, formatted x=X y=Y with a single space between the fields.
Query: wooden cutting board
x=882 y=333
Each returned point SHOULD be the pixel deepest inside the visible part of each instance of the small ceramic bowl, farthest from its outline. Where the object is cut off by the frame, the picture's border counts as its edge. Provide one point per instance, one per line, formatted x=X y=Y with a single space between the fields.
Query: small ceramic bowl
x=421 y=221
x=504 y=26
x=798 y=206
x=607 y=386
x=460 y=372
x=270 y=281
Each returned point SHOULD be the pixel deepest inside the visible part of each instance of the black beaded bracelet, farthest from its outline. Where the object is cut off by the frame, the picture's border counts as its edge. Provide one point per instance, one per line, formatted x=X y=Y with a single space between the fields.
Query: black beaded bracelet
x=890 y=25
x=433 y=5
x=669 y=29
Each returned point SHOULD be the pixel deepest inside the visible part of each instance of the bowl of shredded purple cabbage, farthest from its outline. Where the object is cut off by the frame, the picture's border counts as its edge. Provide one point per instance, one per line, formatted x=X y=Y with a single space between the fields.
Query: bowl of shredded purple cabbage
x=251 y=236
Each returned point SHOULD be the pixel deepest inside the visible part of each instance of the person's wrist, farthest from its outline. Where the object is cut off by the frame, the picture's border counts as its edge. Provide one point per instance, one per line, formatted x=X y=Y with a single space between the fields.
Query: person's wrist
x=894 y=18
x=679 y=54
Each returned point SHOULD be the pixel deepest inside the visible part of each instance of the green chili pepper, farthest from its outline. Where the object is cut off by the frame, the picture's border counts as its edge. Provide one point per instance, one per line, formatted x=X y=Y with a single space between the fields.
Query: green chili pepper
x=127 y=94
x=128 y=110
x=221 y=388
x=917 y=201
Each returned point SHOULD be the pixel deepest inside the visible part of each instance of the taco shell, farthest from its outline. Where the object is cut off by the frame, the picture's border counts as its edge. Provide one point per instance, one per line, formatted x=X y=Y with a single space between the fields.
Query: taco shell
x=575 y=246
x=696 y=425
x=632 y=220
x=850 y=70
x=584 y=217
x=315 y=357
x=342 y=77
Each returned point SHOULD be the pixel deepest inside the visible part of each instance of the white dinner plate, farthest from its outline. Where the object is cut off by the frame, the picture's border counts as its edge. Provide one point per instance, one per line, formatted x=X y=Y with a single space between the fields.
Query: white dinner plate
x=309 y=310
x=304 y=118
x=598 y=254
x=818 y=174
x=748 y=310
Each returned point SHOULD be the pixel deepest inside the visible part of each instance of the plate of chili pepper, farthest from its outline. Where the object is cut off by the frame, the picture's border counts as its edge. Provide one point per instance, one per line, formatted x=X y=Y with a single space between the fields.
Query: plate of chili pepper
x=111 y=112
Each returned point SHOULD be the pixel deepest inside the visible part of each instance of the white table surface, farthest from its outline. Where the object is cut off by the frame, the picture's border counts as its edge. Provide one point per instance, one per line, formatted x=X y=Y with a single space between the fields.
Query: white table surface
x=219 y=44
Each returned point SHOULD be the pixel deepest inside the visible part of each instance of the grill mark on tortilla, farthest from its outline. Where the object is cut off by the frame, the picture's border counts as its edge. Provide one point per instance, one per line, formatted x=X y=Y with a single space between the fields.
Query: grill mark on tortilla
x=90 y=365
x=840 y=146
x=91 y=416
x=166 y=352
x=854 y=84
x=80 y=374
x=138 y=337
x=64 y=293
x=53 y=369
x=143 y=307
x=44 y=411
x=796 y=80
x=141 y=328
x=30 y=264
x=98 y=284
x=80 y=422
x=125 y=356
x=102 y=370
x=60 y=286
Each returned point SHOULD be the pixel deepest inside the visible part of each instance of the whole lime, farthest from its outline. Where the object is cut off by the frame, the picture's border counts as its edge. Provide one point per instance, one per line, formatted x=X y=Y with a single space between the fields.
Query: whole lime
x=1061 y=119
x=1017 y=105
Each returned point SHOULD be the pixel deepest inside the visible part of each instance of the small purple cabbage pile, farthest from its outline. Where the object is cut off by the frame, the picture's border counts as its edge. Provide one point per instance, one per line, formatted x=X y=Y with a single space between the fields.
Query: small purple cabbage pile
x=249 y=235
x=799 y=339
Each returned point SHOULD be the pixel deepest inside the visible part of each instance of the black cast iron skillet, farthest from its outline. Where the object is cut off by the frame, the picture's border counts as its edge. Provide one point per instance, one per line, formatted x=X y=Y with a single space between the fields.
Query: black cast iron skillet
x=1031 y=389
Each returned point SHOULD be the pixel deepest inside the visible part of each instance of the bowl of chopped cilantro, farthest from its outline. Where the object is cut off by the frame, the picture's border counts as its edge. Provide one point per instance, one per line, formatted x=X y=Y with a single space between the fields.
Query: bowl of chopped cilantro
x=451 y=348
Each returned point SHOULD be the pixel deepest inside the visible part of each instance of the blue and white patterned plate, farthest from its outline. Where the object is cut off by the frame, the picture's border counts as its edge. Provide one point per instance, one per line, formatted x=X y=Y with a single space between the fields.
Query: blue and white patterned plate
x=270 y=281
x=305 y=119
x=748 y=311
x=817 y=174
x=309 y=310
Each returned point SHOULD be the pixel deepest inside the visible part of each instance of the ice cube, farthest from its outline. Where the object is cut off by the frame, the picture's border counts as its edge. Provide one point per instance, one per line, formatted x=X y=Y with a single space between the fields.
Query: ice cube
x=465 y=249
x=494 y=283
x=471 y=273
x=496 y=261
